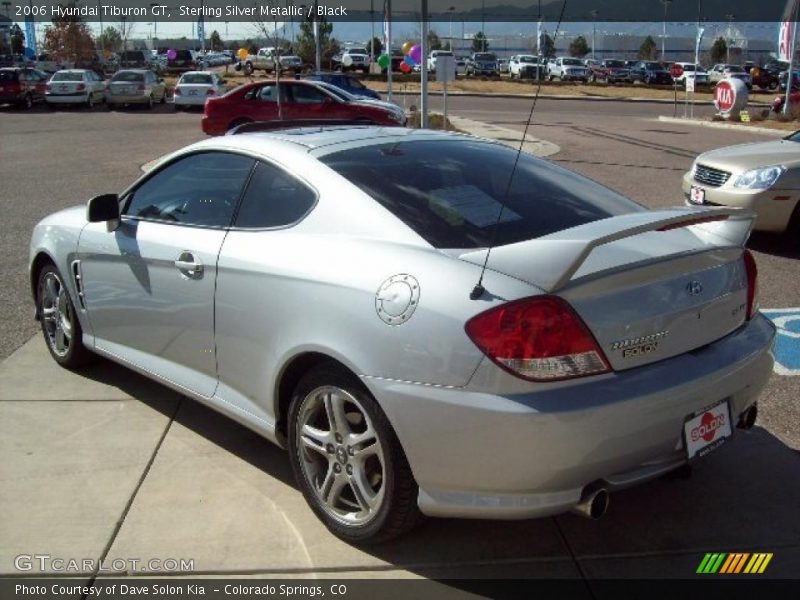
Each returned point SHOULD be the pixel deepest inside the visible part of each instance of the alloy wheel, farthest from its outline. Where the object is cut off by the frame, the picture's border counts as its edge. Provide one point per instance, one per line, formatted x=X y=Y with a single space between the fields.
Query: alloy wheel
x=341 y=455
x=55 y=310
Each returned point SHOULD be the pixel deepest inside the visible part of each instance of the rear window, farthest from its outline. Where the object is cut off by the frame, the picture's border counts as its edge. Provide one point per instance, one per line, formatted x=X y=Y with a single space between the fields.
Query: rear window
x=128 y=76
x=452 y=192
x=183 y=55
x=485 y=56
x=8 y=76
x=571 y=62
x=197 y=78
x=68 y=77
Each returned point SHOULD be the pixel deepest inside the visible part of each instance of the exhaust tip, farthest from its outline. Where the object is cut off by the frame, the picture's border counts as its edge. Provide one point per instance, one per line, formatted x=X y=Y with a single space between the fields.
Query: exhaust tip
x=748 y=418
x=593 y=505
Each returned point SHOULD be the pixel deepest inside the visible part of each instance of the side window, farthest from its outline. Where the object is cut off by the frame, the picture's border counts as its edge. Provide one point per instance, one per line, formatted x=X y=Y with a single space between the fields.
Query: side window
x=268 y=93
x=274 y=199
x=201 y=189
x=304 y=94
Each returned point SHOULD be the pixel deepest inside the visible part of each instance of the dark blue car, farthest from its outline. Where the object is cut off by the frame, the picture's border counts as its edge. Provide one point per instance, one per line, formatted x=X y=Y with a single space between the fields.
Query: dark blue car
x=347 y=82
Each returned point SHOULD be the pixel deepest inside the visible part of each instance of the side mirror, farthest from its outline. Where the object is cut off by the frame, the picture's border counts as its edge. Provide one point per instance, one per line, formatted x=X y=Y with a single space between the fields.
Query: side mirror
x=104 y=207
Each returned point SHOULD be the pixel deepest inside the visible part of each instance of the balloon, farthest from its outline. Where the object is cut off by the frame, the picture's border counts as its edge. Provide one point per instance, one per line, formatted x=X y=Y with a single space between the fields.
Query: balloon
x=415 y=53
x=404 y=67
x=171 y=54
x=409 y=61
x=242 y=53
x=383 y=61
x=406 y=47
x=347 y=60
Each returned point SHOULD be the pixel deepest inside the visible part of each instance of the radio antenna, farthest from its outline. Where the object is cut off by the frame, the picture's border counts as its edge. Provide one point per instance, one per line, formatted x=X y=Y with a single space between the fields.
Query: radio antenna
x=478 y=290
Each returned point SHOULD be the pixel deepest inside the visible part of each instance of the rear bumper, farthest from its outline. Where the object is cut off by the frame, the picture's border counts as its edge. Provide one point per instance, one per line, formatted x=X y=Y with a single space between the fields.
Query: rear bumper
x=190 y=100
x=529 y=455
x=212 y=126
x=124 y=99
x=67 y=98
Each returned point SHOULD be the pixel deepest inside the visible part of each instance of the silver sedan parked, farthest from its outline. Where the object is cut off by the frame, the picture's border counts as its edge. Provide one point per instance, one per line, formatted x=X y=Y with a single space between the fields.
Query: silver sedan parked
x=136 y=86
x=75 y=86
x=333 y=290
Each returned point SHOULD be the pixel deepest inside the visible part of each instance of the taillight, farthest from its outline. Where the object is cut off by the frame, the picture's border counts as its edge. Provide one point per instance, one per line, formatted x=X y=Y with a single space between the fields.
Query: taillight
x=81 y=87
x=177 y=92
x=210 y=92
x=752 y=283
x=48 y=87
x=539 y=339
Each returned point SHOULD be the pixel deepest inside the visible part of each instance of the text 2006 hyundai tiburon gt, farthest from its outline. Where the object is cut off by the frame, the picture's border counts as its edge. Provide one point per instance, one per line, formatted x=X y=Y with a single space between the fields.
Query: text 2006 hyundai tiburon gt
x=325 y=287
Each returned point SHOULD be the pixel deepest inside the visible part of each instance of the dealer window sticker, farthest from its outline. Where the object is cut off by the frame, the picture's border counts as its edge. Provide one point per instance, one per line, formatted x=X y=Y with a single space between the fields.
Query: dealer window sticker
x=461 y=203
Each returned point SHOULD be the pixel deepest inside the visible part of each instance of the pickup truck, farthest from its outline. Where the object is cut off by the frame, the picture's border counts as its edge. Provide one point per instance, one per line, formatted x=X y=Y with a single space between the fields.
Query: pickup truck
x=565 y=68
x=358 y=59
x=265 y=60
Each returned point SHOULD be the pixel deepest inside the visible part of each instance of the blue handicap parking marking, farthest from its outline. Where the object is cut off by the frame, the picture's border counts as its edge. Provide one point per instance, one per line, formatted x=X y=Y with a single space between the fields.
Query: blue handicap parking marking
x=787 y=342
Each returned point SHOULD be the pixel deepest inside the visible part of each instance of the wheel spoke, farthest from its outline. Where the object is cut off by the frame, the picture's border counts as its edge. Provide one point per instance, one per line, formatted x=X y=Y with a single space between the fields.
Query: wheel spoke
x=365 y=495
x=52 y=286
x=365 y=444
x=332 y=488
x=334 y=408
x=314 y=439
x=48 y=314
x=60 y=339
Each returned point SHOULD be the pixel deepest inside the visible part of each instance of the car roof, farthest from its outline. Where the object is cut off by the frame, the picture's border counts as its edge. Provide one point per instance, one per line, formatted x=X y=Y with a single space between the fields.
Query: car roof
x=198 y=73
x=322 y=140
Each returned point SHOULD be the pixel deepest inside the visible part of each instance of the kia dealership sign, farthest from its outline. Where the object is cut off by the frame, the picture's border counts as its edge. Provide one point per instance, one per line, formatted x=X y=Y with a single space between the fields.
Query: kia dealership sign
x=730 y=97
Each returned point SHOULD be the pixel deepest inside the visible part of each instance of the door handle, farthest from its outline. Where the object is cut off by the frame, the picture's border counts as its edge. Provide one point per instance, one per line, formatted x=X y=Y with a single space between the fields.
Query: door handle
x=187 y=264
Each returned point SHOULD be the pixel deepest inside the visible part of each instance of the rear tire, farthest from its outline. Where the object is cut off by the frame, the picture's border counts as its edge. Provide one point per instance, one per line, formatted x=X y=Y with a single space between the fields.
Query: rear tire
x=237 y=122
x=27 y=102
x=350 y=466
x=59 y=321
x=793 y=228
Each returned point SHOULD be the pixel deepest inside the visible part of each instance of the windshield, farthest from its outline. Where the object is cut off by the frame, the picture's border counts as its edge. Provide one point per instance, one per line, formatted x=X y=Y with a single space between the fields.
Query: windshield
x=795 y=137
x=528 y=59
x=735 y=69
x=68 y=76
x=572 y=61
x=336 y=91
x=614 y=63
x=485 y=56
x=688 y=67
x=458 y=189
x=128 y=76
x=197 y=78
x=356 y=51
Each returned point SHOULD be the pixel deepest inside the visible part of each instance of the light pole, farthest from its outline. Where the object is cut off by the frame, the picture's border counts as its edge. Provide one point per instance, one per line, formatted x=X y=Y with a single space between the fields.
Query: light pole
x=451 y=10
x=729 y=39
x=372 y=34
x=155 y=22
x=483 y=25
x=666 y=4
x=594 y=14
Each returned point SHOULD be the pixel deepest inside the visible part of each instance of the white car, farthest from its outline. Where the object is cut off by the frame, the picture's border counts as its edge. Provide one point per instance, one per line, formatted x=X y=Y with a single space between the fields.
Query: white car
x=434 y=55
x=195 y=87
x=725 y=71
x=524 y=66
x=691 y=70
x=75 y=86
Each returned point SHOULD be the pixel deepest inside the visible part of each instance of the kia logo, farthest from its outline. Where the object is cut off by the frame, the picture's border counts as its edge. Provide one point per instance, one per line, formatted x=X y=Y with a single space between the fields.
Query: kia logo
x=694 y=288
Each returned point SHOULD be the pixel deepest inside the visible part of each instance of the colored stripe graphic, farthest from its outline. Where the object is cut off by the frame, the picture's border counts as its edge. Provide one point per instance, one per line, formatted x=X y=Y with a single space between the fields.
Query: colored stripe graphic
x=734 y=563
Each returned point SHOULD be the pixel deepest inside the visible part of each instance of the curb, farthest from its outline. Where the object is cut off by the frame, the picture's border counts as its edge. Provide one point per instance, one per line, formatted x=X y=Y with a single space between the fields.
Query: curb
x=632 y=99
x=509 y=137
x=730 y=126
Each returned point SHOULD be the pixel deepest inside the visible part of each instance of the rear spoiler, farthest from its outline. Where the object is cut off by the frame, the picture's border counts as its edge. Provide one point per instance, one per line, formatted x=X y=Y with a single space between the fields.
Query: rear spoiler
x=558 y=256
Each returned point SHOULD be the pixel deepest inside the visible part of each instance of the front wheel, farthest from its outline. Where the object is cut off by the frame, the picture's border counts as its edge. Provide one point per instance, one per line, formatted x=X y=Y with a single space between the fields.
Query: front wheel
x=347 y=459
x=60 y=326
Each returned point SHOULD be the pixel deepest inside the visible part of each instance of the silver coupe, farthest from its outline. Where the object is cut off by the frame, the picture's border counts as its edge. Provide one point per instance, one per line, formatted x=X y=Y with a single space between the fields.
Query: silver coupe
x=424 y=333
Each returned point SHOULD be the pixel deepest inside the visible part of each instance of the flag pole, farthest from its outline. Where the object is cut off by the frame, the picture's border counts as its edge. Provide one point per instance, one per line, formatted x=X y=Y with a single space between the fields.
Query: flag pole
x=790 y=72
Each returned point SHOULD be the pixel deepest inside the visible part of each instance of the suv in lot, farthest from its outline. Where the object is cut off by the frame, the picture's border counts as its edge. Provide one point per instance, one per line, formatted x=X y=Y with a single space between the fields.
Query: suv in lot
x=354 y=58
x=434 y=55
x=566 y=68
x=650 y=72
x=609 y=71
x=482 y=63
x=724 y=71
x=525 y=66
x=22 y=86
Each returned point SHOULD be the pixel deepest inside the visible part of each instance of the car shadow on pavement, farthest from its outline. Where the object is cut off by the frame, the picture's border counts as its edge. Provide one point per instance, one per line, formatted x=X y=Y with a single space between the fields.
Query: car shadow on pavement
x=775 y=244
x=742 y=497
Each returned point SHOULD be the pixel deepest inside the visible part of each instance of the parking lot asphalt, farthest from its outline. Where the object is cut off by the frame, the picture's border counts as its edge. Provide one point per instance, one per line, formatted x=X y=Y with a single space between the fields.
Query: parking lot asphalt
x=105 y=464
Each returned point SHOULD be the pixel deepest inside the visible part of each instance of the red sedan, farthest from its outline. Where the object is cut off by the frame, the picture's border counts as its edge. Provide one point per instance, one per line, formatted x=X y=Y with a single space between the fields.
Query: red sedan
x=270 y=101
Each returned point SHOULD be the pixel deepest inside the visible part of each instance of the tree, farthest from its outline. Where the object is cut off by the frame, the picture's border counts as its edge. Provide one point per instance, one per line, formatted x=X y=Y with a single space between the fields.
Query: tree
x=578 y=47
x=17 y=40
x=304 y=45
x=434 y=43
x=719 y=50
x=69 y=39
x=479 y=42
x=110 y=40
x=377 y=46
x=548 y=49
x=648 y=50
x=216 y=41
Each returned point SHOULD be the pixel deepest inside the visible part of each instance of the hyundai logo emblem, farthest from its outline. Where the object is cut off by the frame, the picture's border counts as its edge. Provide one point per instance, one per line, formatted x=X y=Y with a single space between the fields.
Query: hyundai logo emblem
x=694 y=288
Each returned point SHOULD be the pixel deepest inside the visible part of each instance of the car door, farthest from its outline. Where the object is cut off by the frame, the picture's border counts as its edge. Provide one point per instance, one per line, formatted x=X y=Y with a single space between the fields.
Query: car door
x=311 y=102
x=255 y=289
x=261 y=104
x=149 y=284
